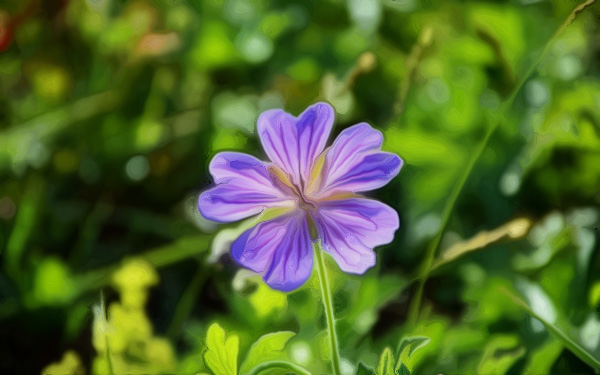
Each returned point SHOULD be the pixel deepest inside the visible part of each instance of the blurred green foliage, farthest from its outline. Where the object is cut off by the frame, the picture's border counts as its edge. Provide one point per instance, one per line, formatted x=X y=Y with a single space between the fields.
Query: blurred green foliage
x=110 y=111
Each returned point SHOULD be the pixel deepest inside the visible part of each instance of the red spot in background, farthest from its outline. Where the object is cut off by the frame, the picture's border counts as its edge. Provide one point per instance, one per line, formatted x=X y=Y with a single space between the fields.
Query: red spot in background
x=9 y=24
x=6 y=31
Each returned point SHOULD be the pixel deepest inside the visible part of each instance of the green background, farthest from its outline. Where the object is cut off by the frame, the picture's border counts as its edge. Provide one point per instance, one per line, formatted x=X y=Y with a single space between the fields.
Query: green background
x=110 y=111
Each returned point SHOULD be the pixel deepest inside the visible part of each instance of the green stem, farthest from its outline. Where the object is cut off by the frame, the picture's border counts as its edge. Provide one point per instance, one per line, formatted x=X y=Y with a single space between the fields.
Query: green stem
x=279 y=364
x=328 y=306
x=415 y=306
x=186 y=302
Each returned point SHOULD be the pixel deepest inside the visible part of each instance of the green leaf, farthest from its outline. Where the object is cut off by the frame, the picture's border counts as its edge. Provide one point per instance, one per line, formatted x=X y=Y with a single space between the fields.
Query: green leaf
x=362 y=369
x=53 y=283
x=278 y=368
x=499 y=354
x=401 y=369
x=407 y=348
x=409 y=345
x=561 y=330
x=386 y=363
x=222 y=353
x=541 y=360
x=267 y=348
x=267 y=301
x=503 y=27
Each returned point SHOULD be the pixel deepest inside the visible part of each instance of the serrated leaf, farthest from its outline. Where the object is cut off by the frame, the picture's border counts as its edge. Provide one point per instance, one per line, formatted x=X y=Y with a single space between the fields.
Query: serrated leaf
x=267 y=348
x=222 y=353
x=386 y=362
x=405 y=363
x=362 y=369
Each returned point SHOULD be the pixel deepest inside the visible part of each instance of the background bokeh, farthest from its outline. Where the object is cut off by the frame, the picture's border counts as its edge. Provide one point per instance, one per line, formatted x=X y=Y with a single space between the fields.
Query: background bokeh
x=110 y=111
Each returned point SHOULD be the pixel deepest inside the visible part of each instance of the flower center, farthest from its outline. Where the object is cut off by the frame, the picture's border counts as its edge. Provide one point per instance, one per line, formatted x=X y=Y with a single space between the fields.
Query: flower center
x=306 y=204
x=283 y=182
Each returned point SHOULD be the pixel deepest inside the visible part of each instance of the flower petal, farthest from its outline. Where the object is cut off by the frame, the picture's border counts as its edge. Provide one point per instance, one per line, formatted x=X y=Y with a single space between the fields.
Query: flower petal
x=243 y=189
x=354 y=162
x=228 y=165
x=349 y=229
x=294 y=143
x=280 y=249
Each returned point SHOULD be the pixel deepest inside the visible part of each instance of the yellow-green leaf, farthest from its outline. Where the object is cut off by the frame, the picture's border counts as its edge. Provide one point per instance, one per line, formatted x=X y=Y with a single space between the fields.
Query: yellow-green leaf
x=386 y=363
x=221 y=355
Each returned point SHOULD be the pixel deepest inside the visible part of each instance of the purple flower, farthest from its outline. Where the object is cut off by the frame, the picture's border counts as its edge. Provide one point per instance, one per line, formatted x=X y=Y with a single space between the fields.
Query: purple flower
x=318 y=187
